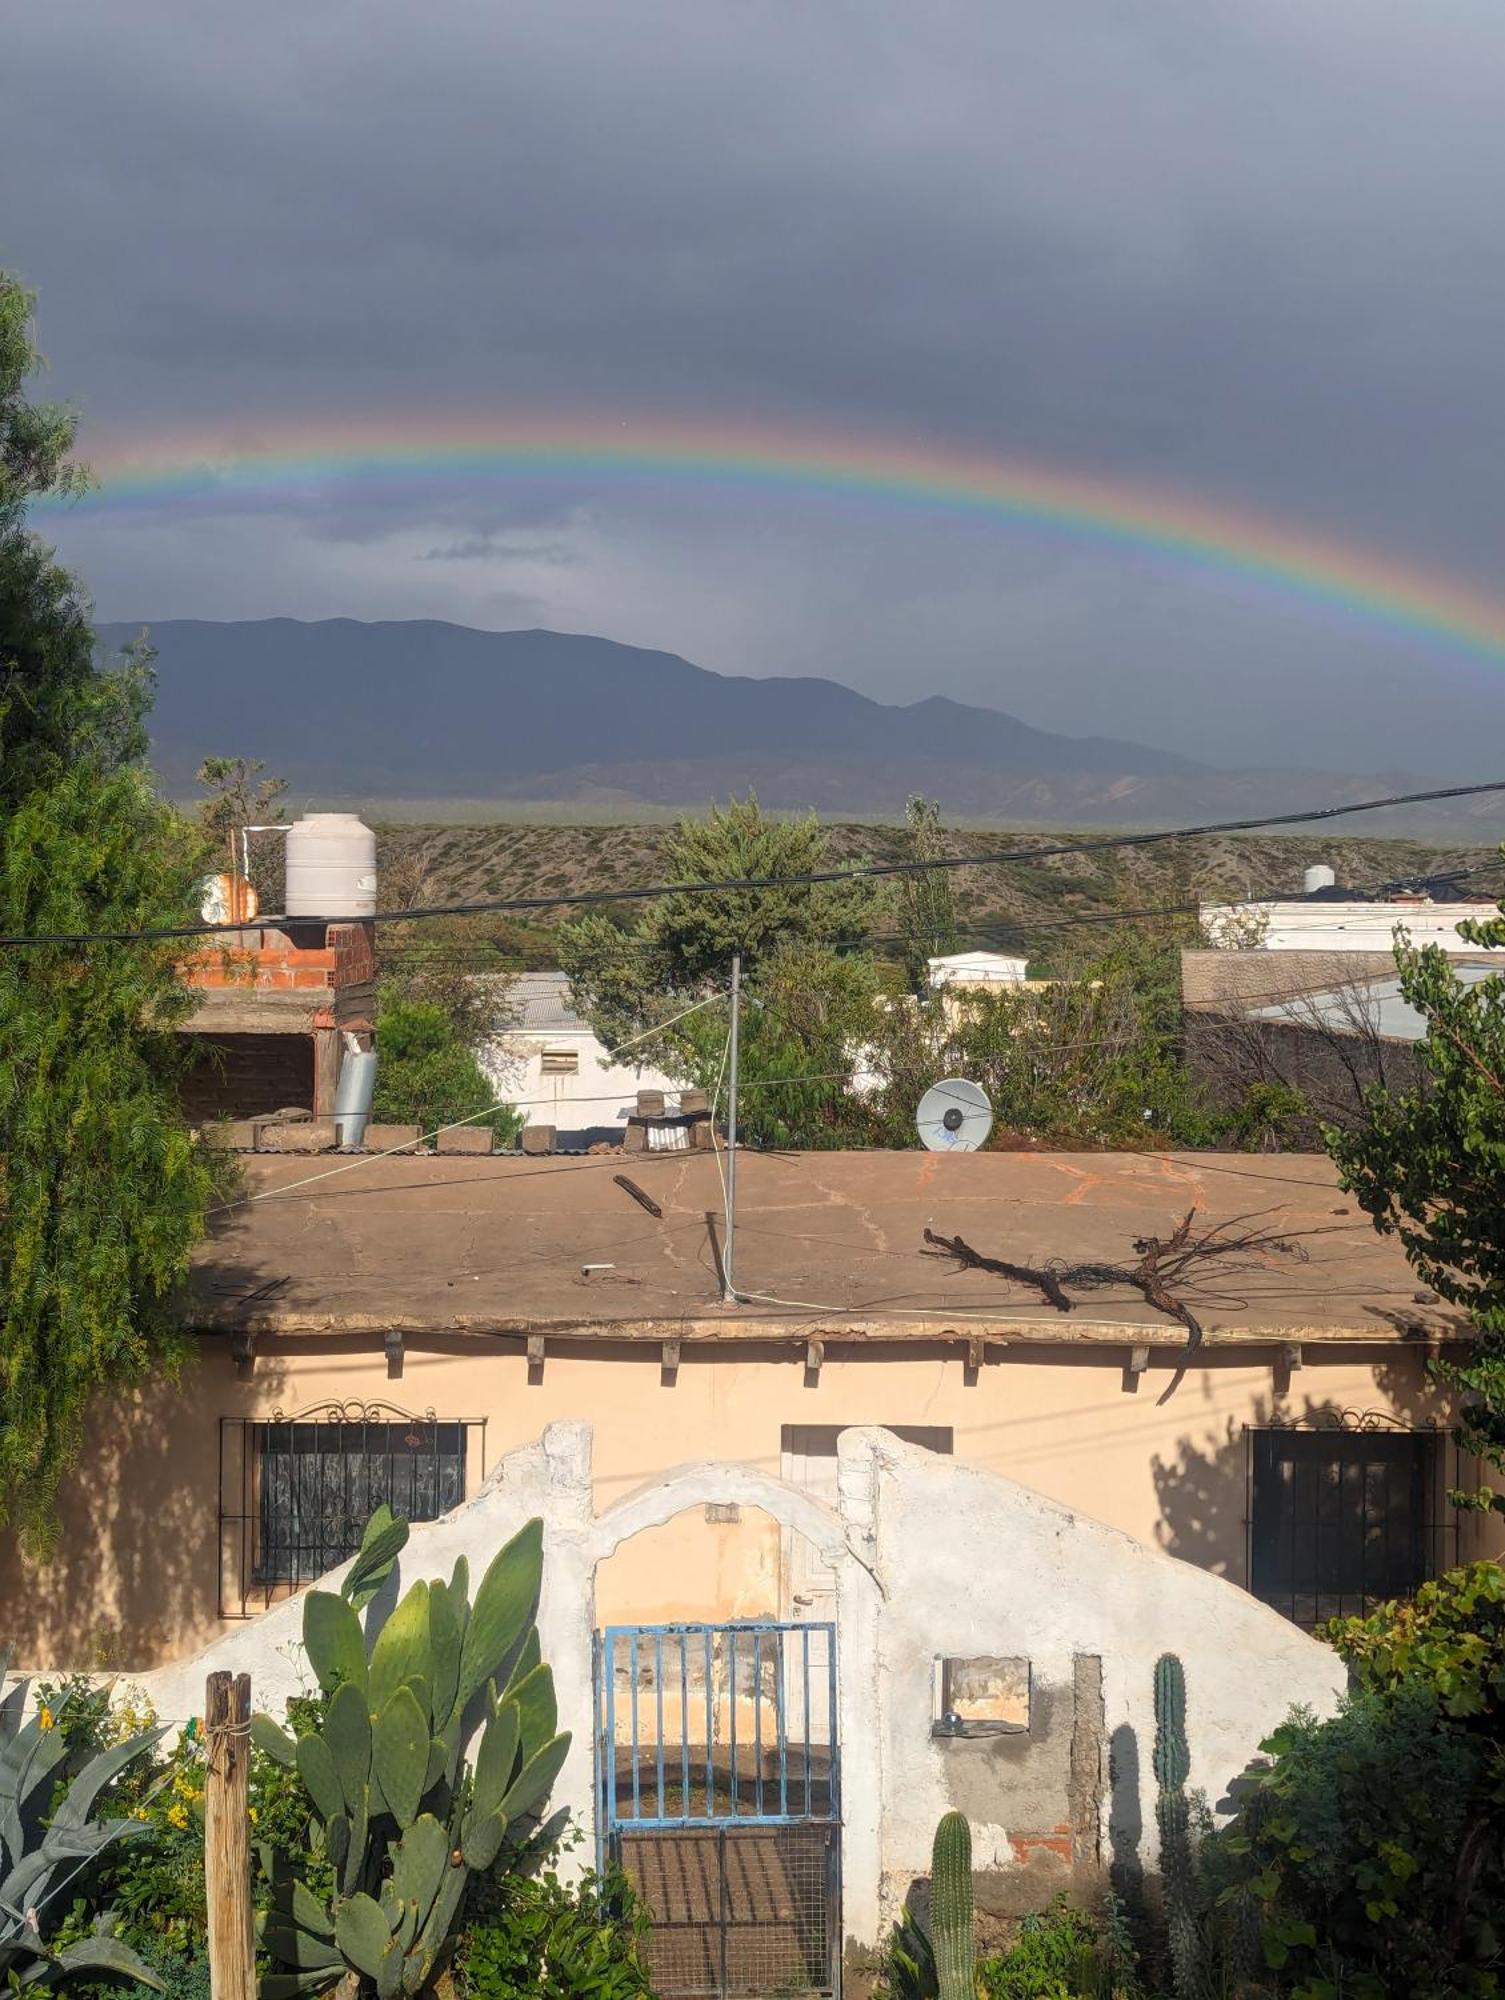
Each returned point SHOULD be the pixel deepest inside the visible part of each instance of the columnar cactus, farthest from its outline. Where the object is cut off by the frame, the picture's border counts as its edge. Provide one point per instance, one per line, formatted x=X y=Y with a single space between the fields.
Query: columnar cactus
x=951 y=1909
x=405 y=1819
x=1178 y=1871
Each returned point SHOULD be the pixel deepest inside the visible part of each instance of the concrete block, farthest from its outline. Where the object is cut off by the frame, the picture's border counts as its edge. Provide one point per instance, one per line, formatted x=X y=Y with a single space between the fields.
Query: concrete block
x=315 y=1135
x=703 y=1136
x=538 y=1139
x=465 y=1139
x=230 y=1135
x=693 y=1102
x=382 y=1138
x=650 y=1104
x=635 y=1138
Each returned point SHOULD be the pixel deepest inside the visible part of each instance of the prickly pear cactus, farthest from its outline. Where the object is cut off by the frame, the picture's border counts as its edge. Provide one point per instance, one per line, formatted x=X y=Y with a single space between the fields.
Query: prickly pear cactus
x=401 y=1814
x=951 y=1909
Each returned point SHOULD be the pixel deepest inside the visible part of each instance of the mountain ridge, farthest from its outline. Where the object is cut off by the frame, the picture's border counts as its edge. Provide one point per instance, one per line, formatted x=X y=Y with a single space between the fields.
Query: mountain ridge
x=427 y=709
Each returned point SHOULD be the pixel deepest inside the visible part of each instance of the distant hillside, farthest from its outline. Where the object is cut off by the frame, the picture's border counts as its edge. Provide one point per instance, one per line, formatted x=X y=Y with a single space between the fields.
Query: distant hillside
x=1007 y=905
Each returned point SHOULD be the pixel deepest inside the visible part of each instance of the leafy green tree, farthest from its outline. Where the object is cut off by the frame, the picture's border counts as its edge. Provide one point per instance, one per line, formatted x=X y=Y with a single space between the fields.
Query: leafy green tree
x=103 y=1191
x=425 y=1075
x=811 y=997
x=927 y=903
x=1428 y=1165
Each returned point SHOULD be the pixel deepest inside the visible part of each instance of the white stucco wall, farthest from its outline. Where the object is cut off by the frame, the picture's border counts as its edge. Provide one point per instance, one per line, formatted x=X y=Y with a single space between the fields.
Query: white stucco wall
x=932 y=1557
x=600 y=1093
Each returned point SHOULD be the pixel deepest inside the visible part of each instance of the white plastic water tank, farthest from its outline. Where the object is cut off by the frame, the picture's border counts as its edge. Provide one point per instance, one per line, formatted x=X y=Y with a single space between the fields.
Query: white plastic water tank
x=1320 y=877
x=331 y=866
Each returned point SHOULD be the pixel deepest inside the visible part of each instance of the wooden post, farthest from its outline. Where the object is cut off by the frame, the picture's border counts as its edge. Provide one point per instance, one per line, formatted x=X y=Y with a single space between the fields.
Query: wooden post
x=227 y=1837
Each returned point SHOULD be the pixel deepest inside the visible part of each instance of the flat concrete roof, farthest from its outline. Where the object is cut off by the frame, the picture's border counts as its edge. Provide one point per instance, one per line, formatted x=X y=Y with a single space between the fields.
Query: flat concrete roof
x=829 y=1246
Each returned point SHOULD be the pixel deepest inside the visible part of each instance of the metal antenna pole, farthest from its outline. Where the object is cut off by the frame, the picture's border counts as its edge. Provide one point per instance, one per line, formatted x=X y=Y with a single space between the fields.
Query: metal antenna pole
x=728 y=1285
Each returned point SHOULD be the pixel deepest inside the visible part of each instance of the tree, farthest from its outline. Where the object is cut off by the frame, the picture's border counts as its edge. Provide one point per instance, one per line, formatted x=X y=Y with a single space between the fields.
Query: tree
x=927 y=903
x=239 y=796
x=425 y=1075
x=812 y=995
x=456 y=964
x=103 y=1192
x=1428 y=1165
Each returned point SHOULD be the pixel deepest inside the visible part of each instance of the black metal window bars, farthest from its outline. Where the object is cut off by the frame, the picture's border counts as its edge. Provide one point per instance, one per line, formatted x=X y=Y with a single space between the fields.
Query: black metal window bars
x=1346 y=1510
x=296 y=1491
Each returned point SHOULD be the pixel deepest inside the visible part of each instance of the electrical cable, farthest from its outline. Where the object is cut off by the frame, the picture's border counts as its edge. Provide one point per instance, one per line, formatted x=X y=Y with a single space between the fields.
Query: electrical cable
x=806 y=879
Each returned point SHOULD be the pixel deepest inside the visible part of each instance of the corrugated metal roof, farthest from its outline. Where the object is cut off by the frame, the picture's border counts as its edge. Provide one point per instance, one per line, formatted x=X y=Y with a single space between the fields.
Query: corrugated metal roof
x=540 y=1005
x=1370 y=1006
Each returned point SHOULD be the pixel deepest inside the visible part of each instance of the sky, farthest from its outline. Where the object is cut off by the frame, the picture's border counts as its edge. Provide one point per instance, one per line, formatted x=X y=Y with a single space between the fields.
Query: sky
x=1247 y=252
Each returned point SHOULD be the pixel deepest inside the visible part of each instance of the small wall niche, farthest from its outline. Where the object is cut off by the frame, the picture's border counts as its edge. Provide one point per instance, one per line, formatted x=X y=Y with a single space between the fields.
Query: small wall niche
x=985 y=1696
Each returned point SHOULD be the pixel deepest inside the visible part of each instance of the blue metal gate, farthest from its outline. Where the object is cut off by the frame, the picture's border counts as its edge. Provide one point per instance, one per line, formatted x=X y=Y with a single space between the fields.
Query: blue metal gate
x=719 y=1795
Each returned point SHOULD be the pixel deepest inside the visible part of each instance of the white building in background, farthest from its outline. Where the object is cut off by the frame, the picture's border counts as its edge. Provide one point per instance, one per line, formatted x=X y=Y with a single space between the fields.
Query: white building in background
x=1329 y=918
x=977 y=968
x=557 y=1071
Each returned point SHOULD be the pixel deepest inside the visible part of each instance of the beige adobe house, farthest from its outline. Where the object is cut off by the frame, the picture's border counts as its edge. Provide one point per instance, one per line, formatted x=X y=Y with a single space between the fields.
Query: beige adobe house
x=392 y=1328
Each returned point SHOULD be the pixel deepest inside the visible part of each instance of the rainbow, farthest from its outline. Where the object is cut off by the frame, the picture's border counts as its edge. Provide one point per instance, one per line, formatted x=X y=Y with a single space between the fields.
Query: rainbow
x=196 y=473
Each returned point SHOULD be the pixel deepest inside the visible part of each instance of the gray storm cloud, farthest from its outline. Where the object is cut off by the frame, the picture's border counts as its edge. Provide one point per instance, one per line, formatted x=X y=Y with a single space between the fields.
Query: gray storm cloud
x=1247 y=251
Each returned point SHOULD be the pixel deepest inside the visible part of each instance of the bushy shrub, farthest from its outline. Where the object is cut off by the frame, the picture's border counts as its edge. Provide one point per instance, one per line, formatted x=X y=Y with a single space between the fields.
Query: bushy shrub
x=535 y=1938
x=1359 y=1846
x=1060 y=1954
x=426 y=1075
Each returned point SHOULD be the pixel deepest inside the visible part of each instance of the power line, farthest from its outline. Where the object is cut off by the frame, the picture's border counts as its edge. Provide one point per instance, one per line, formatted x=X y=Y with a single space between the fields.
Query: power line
x=808 y=879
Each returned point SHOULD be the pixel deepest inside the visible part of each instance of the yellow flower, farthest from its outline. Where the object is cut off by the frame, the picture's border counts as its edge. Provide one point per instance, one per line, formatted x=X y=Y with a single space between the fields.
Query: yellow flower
x=44 y=1718
x=251 y=1814
x=177 y=1816
x=140 y=1812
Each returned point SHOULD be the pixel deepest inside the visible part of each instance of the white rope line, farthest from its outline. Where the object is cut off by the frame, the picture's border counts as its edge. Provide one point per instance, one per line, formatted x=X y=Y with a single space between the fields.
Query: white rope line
x=501 y=1104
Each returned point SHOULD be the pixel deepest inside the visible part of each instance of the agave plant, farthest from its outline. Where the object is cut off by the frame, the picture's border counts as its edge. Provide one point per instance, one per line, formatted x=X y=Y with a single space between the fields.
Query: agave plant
x=401 y=1815
x=48 y=1838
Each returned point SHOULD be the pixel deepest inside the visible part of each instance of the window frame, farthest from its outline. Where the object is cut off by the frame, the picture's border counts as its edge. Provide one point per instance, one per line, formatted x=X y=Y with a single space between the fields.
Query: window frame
x=1336 y=1452
x=250 y=1578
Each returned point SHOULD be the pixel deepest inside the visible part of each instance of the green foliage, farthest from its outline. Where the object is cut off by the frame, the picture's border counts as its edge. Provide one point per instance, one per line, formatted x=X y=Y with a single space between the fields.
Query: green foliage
x=425 y=1075
x=1060 y=1954
x=1364 y=1849
x=951 y=1933
x=1427 y=1167
x=102 y=1192
x=534 y=1938
x=399 y=1820
x=811 y=998
x=906 y=1969
x=54 y=1825
x=239 y=796
x=1094 y=1057
x=926 y=903
x=1449 y=1639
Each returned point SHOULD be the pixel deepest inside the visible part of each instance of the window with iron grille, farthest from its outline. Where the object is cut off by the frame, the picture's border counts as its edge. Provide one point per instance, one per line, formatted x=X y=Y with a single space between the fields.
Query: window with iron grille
x=308 y=1483
x=1345 y=1515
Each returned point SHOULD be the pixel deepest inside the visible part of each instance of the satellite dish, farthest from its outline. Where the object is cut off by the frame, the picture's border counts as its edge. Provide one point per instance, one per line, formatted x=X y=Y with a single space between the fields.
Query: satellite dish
x=227 y=899
x=954 y=1116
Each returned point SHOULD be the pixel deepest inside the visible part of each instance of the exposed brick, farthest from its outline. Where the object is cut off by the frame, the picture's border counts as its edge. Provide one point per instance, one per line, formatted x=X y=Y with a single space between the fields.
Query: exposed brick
x=316 y=1135
x=382 y=1138
x=465 y=1139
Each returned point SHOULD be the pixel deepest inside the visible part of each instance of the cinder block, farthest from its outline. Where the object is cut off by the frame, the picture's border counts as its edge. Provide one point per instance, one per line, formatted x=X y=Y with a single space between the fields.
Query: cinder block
x=635 y=1138
x=386 y=1138
x=650 y=1104
x=230 y=1135
x=538 y=1139
x=693 y=1102
x=703 y=1136
x=316 y=1135
x=465 y=1139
